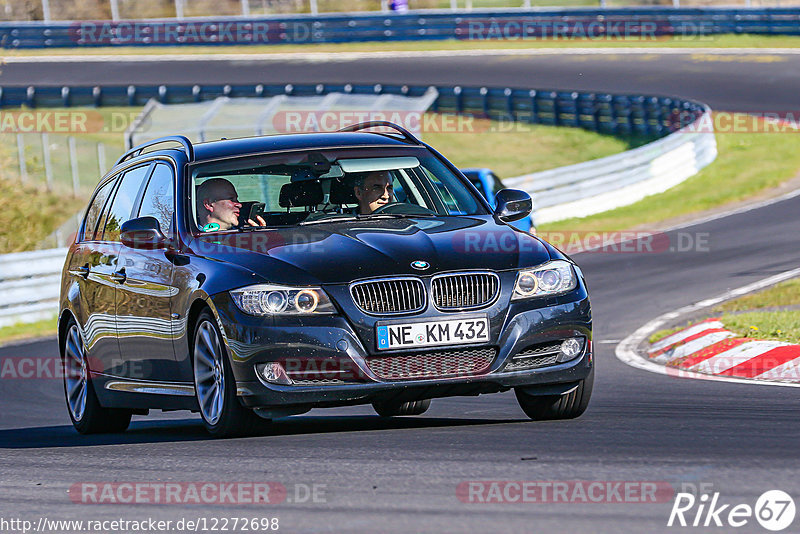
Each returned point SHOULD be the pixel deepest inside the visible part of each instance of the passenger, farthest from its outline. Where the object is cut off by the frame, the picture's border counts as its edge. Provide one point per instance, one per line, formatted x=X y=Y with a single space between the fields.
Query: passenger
x=218 y=206
x=373 y=191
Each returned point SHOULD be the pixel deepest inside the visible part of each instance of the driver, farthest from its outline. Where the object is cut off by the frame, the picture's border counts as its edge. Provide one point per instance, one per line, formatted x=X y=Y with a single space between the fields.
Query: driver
x=218 y=206
x=373 y=191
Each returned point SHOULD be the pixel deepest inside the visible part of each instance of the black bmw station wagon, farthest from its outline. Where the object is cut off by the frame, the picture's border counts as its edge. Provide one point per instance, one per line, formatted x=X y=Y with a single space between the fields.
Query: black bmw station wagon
x=251 y=279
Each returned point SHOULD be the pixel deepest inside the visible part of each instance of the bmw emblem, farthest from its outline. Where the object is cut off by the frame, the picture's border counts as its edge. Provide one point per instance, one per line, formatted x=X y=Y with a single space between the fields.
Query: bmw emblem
x=420 y=265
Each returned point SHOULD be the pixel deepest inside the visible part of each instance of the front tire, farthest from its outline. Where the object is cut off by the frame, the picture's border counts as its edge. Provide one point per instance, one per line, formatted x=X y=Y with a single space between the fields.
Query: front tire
x=87 y=416
x=214 y=384
x=392 y=409
x=552 y=407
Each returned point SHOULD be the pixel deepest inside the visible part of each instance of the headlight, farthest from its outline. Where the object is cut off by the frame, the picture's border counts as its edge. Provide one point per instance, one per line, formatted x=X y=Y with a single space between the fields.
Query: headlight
x=552 y=278
x=265 y=299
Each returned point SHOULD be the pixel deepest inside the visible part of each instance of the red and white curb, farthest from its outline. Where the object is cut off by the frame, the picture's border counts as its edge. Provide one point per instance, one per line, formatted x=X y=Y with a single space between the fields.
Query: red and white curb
x=709 y=348
x=710 y=352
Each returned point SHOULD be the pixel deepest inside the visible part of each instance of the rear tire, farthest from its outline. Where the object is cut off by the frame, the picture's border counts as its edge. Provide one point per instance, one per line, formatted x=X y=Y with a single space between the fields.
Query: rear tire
x=392 y=409
x=551 y=407
x=215 y=386
x=87 y=416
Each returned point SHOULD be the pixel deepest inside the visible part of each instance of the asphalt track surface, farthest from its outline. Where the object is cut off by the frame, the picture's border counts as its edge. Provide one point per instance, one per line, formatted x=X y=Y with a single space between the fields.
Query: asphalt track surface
x=401 y=475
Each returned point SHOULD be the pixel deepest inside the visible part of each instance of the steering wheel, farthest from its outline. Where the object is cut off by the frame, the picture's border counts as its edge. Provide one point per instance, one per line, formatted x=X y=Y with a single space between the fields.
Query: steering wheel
x=403 y=208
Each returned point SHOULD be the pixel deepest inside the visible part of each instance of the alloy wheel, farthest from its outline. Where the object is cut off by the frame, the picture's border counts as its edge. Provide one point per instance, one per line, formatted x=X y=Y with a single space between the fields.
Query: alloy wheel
x=76 y=373
x=209 y=372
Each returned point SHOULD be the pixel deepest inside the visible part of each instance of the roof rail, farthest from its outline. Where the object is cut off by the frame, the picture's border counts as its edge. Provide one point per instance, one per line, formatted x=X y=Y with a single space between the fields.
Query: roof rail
x=372 y=124
x=180 y=139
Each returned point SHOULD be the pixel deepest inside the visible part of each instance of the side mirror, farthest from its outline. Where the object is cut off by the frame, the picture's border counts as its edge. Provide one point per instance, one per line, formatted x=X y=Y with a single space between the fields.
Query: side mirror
x=512 y=205
x=143 y=233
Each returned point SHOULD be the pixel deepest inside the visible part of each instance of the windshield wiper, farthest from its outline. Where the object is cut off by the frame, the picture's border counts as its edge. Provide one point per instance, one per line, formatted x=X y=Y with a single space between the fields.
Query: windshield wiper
x=361 y=217
x=329 y=219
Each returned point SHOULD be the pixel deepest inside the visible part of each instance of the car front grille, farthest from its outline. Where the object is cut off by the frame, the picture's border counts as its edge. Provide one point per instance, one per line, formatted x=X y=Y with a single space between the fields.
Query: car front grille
x=535 y=356
x=464 y=290
x=437 y=364
x=395 y=295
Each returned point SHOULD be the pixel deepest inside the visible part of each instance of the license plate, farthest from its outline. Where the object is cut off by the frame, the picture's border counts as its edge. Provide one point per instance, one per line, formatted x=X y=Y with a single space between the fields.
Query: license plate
x=433 y=333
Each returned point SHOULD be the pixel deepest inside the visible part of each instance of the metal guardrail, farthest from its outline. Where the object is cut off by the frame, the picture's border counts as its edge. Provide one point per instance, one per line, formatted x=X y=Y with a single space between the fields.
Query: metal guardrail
x=29 y=285
x=423 y=25
x=29 y=282
x=622 y=179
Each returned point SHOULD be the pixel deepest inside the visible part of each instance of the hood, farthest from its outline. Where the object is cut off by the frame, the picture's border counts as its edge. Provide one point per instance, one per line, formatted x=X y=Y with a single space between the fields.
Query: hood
x=338 y=253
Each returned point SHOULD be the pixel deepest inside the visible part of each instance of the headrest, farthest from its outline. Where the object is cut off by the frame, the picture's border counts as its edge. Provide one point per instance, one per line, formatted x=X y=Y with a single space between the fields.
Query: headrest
x=301 y=194
x=342 y=192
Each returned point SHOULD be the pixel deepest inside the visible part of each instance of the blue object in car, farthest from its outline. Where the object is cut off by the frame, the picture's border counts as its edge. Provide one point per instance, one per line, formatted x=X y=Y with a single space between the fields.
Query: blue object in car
x=488 y=183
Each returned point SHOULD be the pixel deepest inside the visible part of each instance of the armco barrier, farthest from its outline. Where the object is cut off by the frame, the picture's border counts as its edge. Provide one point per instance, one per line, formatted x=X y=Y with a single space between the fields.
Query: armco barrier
x=29 y=285
x=619 y=180
x=644 y=22
x=28 y=293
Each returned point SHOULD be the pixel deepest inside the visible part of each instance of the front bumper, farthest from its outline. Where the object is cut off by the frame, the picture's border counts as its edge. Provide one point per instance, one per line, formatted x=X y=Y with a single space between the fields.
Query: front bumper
x=253 y=341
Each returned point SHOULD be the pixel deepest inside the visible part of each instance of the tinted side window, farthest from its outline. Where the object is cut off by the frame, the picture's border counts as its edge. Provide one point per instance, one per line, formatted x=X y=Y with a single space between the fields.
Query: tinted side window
x=93 y=215
x=159 y=200
x=122 y=205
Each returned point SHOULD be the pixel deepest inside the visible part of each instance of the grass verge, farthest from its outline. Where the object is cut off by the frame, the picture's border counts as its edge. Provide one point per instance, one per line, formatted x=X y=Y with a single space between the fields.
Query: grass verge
x=752 y=315
x=747 y=164
x=704 y=41
x=778 y=325
x=783 y=294
x=44 y=328
x=528 y=148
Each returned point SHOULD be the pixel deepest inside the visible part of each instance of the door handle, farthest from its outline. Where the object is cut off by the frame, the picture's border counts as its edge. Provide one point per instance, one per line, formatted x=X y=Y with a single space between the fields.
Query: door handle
x=119 y=276
x=83 y=271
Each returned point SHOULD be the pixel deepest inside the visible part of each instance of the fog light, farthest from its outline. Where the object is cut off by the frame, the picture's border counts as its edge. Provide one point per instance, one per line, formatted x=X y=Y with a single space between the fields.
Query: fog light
x=274 y=373
x=570 y=349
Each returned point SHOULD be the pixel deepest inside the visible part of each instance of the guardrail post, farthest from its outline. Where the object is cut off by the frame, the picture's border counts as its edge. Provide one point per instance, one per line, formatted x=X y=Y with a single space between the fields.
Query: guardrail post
x=115 y=10
x=23 y=167
x=131 y=95
x=179 y=9
x=314 y=7
x=459 y=99
x=73 y=163
x=556 y=109
x=65 y=96
x=46 y=10
x=97 y=96
x=48 y=168
x=245 y=8
x=101 y=159
x=30 y=97
x=534 y=106
x=509 y=102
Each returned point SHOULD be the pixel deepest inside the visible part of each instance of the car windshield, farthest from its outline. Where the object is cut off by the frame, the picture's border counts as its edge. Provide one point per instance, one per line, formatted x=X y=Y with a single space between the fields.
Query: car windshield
x=316 y=187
